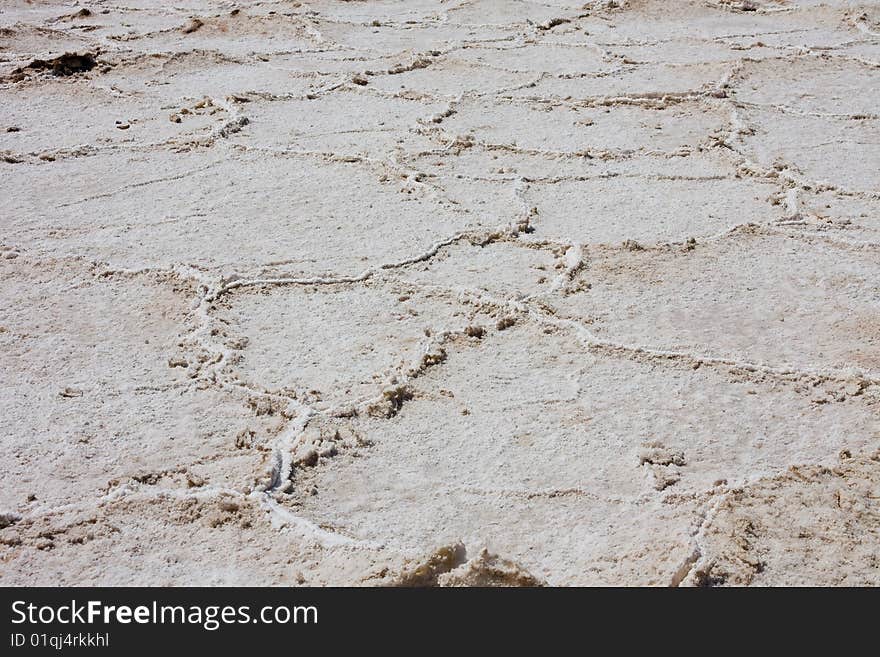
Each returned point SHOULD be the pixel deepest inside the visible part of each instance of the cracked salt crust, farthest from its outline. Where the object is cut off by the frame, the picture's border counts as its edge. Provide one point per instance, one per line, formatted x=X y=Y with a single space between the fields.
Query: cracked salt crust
x=477 y=293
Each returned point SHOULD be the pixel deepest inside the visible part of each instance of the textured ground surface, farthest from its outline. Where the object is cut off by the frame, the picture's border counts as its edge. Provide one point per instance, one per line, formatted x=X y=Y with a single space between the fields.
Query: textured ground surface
x=440 y=292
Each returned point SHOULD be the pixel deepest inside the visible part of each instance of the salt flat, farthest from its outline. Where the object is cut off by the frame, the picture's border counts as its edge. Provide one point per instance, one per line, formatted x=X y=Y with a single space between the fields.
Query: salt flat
x=440 y=293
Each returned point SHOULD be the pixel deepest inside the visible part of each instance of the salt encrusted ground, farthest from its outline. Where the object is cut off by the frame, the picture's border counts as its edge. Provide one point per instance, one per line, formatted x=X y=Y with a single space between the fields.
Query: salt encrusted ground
x=346 y=292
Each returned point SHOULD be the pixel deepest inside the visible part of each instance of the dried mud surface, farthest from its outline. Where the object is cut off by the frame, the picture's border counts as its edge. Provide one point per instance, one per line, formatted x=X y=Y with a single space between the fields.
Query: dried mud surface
x=440 y=293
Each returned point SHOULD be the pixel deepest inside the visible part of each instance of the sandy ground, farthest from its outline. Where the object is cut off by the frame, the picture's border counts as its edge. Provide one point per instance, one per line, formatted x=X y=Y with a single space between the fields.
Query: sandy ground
x=440 y=293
